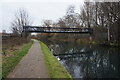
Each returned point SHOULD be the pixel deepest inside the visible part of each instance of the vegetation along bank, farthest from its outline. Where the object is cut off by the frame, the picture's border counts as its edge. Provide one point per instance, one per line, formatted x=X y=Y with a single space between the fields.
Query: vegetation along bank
x=12 y=59
x=55 y=69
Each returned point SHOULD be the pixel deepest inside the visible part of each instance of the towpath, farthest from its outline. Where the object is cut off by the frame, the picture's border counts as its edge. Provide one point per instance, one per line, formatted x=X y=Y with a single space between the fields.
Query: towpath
x=32 y=64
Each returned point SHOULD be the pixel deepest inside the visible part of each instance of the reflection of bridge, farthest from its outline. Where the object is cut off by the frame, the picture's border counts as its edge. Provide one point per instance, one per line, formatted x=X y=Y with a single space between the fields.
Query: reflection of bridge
x=70 y=54
x=56 y=30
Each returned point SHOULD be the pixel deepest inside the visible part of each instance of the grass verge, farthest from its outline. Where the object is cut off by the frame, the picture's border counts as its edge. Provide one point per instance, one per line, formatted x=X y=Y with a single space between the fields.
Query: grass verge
x=55 y=69
x=8 y=63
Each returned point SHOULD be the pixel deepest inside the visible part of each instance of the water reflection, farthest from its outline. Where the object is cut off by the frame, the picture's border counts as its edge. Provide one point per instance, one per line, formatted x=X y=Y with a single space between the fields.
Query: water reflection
x=87 y=61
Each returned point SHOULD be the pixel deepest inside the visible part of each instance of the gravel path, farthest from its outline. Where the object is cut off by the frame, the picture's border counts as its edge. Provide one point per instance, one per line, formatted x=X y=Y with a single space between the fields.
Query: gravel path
x=32 y=65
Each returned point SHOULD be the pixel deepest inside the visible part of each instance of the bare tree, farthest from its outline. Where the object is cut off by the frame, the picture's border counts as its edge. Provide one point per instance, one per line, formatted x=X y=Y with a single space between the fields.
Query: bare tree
x=104 y=16
x=71 y=17
x=61 y=22
x=22 y=18
x=47 y=23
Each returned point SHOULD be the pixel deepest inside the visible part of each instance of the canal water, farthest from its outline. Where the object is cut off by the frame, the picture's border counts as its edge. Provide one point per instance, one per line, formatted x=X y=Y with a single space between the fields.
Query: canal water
x=87 y=61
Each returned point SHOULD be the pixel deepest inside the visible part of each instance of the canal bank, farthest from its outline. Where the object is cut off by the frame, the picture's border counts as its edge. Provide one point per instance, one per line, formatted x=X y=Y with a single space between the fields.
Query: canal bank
x=55 y=69
x=37 y=62
x=12 y=58
x=84 y=41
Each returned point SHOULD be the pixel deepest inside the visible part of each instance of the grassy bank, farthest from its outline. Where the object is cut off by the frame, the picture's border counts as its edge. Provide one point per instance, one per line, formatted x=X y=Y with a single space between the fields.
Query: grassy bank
x=55 y=69
x=11 y=60
x=102 y=43
x=85 y=41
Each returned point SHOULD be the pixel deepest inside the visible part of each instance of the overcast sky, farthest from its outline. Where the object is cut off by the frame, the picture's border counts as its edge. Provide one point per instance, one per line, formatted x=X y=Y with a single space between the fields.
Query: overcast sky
x=38 y=10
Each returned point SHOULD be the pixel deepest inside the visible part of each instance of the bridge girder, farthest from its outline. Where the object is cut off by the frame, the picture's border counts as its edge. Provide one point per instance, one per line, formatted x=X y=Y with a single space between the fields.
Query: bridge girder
x=37 y=29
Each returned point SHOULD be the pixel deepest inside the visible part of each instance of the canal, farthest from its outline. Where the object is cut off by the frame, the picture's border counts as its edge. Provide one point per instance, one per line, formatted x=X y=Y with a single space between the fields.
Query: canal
x=87 y=61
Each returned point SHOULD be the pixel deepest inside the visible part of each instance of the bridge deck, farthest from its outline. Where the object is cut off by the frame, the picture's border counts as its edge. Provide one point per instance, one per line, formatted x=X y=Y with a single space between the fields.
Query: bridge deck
x=37 y=29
